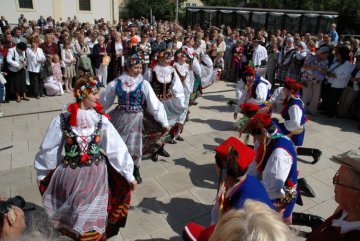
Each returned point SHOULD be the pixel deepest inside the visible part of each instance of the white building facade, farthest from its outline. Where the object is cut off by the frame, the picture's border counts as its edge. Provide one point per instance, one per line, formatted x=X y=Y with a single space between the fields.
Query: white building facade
x=84 y=10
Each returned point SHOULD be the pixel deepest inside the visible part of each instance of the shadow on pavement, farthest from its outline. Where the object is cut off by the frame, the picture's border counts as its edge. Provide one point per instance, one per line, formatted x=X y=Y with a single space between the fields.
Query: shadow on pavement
x=216 y=98
x=203 y=176
x=218 y=108
x=217 y=125
x=178 y=211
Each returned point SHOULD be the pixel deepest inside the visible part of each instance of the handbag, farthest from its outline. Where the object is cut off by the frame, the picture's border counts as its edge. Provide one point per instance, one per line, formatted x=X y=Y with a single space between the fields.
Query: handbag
x=2 y=79
x=45 y=70
x=106 y=60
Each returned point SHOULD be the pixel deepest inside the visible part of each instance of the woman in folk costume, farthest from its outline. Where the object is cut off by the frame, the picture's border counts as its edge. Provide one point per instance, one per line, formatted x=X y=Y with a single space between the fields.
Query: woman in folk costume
x=134 y=94
x=85 y=191
x=196 y=69
x=170 y=91
x=207 y=74
x=184 y=72
x=285 y=59
x=297 y=61
x=293 y=113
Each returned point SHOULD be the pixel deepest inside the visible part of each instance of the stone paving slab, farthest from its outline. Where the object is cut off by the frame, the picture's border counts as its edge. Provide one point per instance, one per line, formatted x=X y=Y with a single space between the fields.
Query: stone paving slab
x=181 y=188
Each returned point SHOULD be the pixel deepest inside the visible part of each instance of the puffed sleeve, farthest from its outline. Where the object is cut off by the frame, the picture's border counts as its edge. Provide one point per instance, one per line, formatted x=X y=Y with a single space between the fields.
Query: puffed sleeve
x=277 y=99
x=107 y=96
x=49 y=154
x=196 y=66
x=207 y=60
x=241 y=95
x=155 y=107
x=116 y=151
x=178 y=89
x=295 y=114
x=276 y=172
x=261 y=94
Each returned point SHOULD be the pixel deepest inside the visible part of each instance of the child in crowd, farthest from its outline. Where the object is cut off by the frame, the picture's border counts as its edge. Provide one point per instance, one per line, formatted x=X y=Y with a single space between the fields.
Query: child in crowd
x=219 y=65
x=68 y=57
x=53 y=84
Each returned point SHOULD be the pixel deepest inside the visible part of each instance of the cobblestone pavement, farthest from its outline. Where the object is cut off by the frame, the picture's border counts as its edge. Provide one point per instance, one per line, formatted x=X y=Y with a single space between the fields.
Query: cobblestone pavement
x=178 y=189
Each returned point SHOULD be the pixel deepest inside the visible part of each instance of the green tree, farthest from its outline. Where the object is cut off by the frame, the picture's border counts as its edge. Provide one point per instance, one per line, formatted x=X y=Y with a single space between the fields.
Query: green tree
x=161 y=9
x=230 y=3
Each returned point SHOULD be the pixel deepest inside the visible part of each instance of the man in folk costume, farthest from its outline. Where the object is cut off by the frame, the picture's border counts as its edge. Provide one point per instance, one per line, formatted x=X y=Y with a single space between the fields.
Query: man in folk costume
x=85 y=193
x=170 y=91
x=276 y=167
x=183 y=69
x=251 y=88
x=249 y=110
x=232 y=160
x=294 y=115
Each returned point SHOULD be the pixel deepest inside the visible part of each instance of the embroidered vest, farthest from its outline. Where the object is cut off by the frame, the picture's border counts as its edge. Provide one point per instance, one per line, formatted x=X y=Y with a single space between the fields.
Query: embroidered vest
x=251 y=188
x=75 y=155
x=130 y=101
x=291 y=180
x=162 y=90
x=291 y=102
x=257 y=81
x=299 y=63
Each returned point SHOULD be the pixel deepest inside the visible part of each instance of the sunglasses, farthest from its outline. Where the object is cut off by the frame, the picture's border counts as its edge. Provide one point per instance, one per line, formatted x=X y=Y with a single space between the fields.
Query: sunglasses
x=336 y=181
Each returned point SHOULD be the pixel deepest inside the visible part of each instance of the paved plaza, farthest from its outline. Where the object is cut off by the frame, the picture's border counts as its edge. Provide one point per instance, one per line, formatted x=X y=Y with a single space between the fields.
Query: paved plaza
x=178 y=189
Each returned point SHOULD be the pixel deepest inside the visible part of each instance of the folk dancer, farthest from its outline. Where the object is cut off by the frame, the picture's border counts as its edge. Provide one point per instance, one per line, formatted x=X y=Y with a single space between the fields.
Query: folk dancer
x=86 y=193
x=251 y=88
x=170 y=91
x=132 y=93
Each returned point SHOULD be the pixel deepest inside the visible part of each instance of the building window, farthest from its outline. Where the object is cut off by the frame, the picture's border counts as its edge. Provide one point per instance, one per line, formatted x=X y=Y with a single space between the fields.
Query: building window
x=26 y=4
x=85 y=5
x=187 y=4
x=194 y=4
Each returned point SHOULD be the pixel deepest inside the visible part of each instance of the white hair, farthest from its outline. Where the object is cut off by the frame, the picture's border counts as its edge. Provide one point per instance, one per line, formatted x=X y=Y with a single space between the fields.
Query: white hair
x=39 y=228
x=254 y=222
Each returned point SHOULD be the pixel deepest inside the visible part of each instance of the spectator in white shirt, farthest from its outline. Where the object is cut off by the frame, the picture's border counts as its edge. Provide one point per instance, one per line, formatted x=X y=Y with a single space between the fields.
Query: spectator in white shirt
x=36 y=58
x=338 y=77
x=259 y=57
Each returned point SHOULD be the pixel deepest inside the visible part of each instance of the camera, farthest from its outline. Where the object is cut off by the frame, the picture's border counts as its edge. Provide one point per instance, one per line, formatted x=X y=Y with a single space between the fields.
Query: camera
x=6 y=205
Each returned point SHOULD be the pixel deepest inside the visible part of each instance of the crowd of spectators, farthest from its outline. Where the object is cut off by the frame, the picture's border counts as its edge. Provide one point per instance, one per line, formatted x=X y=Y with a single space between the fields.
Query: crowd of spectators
x=42 y=58
x=325 y=64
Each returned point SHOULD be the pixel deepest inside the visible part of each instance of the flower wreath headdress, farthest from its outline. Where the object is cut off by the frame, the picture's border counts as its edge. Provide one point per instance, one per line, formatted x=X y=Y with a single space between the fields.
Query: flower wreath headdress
x=91 y=86
x=136 y=58
x=164 y=54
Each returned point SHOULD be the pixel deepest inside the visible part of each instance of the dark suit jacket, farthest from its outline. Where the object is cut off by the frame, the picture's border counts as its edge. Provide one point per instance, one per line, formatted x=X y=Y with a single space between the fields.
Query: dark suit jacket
x=2 y=25
x=96 y=57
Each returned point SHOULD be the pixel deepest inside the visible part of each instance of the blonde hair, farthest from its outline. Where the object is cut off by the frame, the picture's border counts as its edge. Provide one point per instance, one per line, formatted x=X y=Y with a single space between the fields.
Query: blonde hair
x=101 y=38
x=254 y=222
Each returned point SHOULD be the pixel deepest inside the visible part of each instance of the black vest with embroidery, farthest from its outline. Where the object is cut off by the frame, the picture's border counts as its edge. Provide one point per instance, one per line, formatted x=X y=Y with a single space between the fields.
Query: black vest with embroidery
x=74 y=155
x=162 y=90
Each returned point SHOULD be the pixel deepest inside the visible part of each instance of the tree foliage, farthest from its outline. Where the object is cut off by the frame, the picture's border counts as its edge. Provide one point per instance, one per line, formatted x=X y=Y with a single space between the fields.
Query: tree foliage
x=161 y=9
